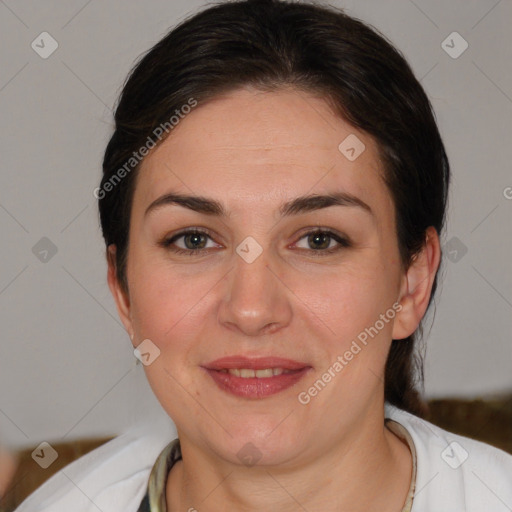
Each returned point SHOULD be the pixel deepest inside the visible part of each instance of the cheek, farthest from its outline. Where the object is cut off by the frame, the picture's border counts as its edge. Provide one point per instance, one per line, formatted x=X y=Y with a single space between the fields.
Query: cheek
x=357 y=308
x=162 y=303
x=172 y=307
x=169 y=309
x=350 y=299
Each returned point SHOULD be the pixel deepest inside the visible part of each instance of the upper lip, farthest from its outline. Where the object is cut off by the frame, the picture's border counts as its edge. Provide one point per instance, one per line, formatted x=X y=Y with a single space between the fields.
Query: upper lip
x=254 y=363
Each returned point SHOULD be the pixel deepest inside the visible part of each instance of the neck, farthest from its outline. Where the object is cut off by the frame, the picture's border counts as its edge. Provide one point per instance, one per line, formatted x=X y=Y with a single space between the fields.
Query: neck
x=368 y=469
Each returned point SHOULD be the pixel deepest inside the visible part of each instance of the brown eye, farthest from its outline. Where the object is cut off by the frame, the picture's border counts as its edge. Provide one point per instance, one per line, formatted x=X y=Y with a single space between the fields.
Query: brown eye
x=321 y=242
x=193 y=242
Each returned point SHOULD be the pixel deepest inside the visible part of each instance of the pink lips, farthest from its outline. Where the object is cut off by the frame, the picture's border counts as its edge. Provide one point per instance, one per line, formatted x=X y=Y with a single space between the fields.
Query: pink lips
x=255 y=387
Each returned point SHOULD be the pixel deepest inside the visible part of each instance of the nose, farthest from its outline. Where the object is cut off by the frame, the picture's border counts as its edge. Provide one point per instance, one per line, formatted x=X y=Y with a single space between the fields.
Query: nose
x=255 y=300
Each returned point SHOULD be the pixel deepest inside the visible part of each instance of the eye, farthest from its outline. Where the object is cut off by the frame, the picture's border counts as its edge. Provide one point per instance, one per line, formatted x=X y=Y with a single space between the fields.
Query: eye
x=194 y=241
x=320 y=242
x=323 y=241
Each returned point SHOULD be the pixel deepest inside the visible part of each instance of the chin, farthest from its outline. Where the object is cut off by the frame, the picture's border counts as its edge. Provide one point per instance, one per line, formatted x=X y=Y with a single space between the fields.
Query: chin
x=258 y=444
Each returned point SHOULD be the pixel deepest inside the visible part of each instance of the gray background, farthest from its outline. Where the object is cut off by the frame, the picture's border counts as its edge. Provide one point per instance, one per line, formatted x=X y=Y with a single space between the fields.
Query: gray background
x=66 y=367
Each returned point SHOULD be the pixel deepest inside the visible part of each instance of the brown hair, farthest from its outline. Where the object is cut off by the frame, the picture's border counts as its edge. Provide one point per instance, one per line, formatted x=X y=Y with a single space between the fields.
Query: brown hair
x=270 y=44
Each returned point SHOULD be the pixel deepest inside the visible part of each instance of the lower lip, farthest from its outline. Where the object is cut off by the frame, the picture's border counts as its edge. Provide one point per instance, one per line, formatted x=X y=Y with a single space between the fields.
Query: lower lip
x=255 y=387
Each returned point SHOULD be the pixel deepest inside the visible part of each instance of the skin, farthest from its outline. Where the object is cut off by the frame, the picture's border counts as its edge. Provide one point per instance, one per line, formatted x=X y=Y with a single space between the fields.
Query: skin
x=253 y=151
x=8 y=466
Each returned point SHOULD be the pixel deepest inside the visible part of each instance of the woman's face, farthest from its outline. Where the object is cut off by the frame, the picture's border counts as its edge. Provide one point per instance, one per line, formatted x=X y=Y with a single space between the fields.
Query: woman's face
x=263 y=285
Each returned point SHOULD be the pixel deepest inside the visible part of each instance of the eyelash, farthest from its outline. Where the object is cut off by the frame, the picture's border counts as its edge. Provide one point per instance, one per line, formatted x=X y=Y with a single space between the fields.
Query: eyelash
x=343 y=242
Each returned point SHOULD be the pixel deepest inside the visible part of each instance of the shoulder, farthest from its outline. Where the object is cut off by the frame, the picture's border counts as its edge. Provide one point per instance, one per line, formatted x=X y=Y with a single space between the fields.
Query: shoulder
x=111 y=478
x=455 y=472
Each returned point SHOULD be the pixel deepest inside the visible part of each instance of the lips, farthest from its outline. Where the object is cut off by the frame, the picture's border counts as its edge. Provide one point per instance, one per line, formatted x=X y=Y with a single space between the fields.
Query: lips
x=255 y=377
x=258 y=363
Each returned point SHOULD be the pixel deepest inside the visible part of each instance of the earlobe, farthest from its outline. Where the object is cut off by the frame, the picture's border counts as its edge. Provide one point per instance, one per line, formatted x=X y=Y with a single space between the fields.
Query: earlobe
x=417 y=285
x=121 y=298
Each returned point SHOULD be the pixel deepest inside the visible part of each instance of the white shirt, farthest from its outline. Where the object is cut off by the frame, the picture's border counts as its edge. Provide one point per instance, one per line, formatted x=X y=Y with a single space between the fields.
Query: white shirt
x=453 y=473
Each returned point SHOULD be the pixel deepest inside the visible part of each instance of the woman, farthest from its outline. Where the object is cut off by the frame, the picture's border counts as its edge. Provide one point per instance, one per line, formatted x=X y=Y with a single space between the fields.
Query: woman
x=271 y=204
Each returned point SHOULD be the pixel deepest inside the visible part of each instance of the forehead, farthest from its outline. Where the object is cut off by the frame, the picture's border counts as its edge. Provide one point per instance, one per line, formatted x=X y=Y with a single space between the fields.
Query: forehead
x=249 y=146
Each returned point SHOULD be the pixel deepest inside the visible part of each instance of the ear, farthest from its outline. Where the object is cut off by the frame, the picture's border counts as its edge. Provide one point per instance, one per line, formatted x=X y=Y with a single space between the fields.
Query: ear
x=121 y=298
x=416 y=287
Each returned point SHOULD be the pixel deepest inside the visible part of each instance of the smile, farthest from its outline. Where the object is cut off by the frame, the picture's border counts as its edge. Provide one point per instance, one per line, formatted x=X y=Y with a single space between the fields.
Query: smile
x=247 y=373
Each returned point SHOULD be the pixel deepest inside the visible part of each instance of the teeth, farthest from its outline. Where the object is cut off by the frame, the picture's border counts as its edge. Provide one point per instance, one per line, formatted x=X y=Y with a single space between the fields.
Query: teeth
x=264 y=373
x=261 y=374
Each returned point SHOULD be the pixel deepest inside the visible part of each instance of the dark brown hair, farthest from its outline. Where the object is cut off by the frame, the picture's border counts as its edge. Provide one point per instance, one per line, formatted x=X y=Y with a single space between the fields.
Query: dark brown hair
x=269 y=44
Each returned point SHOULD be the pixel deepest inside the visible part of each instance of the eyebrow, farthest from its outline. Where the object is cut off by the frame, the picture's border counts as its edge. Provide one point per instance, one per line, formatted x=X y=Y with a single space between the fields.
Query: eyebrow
x=295 y=206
